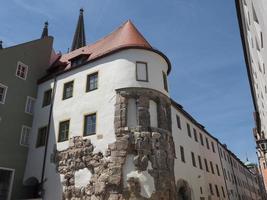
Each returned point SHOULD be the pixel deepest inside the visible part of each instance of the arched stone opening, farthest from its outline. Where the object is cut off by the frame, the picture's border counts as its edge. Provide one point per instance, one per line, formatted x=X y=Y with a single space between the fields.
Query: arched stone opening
x=183 y=190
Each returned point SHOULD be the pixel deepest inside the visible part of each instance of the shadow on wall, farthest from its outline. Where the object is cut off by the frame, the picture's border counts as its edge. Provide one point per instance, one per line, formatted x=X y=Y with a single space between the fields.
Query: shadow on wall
x=183 y=190
x=51 y=181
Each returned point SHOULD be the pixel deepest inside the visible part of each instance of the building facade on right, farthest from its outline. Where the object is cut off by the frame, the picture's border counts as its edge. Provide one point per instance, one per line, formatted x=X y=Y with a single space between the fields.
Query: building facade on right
x=252 y=17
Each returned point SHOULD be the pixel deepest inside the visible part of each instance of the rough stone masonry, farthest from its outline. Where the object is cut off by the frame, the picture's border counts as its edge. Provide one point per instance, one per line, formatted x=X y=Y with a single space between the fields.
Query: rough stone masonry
x=147 y=144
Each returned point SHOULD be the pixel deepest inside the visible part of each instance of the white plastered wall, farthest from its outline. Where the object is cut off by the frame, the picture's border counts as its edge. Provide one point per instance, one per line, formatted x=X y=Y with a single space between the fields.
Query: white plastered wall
x=115 y=71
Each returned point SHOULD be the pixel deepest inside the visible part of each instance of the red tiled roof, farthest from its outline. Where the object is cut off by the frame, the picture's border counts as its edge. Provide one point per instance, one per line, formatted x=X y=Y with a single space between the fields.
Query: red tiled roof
x=125 y=37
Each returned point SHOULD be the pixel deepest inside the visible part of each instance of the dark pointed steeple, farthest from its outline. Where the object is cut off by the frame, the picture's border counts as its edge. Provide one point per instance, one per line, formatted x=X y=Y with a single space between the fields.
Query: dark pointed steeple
x=1 y=44
x=79 y=36
x=45 y=30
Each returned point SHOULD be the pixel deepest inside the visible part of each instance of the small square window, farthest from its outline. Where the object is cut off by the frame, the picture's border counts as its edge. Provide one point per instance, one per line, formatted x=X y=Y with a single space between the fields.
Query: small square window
x=165 y=82
x=68 y=90
x=63 y=134
x=90 y=124
x=22 y=71
x=47 y=97
x=92 y=82
x=41 y=137
x=24 y=137
x=29 y=108
x=3 y=91
x=141 y=71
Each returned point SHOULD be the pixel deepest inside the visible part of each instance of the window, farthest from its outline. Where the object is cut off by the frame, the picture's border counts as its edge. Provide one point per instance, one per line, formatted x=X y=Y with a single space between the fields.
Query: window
x=207 y=142
x=188 y=130
x=165 y=83
x=217 y=191
x=47 y=97
x=193 y=159
x=3 y=91
x=6 y=182
x=141 y=71
x=178 y=120
x=22 y=71
x=153 y=113
x=218 y=171
x=211 y=167
x=24 y=136
x=92 y=82
x=68 y=90
x=200 y=162
x=195 y=135
x=182 y=154
x=41 y=137
x=90 y=124
x=201 y=139
x=206 y=164
x=211 y=190
x=29 y=108
x=212 y=146
x=63 y=133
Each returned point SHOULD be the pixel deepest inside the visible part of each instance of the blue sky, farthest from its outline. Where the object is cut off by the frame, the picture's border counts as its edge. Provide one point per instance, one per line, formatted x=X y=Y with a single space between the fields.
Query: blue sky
x=200 y=37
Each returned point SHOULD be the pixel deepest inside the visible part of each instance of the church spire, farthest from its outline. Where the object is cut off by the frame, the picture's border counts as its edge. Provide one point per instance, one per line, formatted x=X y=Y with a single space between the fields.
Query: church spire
x=79 y=36
x=45 y=30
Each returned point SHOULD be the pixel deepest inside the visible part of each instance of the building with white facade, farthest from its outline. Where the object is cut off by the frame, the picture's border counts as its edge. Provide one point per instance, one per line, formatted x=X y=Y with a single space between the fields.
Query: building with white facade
x=252 y=21
x=106 y=128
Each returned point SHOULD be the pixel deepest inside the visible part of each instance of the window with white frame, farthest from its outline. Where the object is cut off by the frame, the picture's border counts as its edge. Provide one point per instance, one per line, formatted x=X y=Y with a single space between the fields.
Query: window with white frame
x=22 y=71
x=3 y=91
x=24 y=137
x=29 y=108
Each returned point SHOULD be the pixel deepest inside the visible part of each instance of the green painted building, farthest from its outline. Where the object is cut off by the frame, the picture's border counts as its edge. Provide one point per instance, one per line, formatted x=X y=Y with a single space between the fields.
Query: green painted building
x=20 y=68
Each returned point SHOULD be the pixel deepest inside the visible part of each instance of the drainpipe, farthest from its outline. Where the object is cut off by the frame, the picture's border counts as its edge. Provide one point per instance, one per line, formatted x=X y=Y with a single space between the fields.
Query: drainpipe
x=226 y=188
x=47 y=137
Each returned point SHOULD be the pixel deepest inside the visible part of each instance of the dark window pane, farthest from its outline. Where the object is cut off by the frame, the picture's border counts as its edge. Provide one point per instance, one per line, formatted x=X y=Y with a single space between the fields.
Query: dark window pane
x=165 y=81
x=178 y=121
x=68 y=90
x=193 y=159
x=195 y=135
x=90 y=124
x=63 y=134
x=92 y=82
x=41 y=138
x=188 y=130
x=47 y=98
x=182 y=154
x=200 y=162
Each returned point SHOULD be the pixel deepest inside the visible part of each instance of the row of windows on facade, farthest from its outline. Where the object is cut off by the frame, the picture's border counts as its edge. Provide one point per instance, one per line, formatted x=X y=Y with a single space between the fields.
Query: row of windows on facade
x=63 y=132
x=92 y=83
x=196 y=138
x=217 y=190
x=234 y=163
x=236 y=180
x=200 y=165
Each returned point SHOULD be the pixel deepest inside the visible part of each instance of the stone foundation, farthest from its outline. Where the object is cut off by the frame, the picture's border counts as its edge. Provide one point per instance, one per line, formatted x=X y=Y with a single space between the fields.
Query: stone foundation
x=145 y=143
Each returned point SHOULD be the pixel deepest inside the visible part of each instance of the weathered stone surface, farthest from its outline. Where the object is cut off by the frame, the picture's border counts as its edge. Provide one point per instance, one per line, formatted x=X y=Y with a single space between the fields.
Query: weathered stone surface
x=153 y=148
